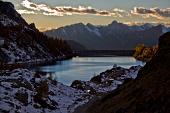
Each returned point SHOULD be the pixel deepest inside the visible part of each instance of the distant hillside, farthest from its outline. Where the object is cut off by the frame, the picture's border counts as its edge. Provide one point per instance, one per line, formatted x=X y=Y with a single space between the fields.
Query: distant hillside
x=20 y=42
x=115 y=36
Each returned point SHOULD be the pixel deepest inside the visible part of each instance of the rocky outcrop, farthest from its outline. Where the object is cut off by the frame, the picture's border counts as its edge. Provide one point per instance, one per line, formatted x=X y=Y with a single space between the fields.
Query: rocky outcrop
x=107 y=81
x=149 y=93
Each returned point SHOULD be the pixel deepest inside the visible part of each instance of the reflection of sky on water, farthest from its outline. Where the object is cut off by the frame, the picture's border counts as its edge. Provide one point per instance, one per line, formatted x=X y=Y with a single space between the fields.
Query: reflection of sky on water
x=83 y=68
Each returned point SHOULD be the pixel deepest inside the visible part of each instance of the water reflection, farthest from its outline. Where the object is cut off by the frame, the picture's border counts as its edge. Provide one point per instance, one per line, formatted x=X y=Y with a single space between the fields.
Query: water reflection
x=83 y=68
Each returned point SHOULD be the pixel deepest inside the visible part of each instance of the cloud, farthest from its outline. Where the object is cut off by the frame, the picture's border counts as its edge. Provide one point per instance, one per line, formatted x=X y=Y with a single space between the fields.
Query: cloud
x=81 y=10
x=121 y=13
x=138 y=13
x=68 y=10
x=151 y=12
x=155 y=23
x=25 y=12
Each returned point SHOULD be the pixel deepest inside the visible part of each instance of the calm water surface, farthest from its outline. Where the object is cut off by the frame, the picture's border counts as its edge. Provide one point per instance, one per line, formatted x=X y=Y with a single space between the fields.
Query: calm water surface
x=83 y=68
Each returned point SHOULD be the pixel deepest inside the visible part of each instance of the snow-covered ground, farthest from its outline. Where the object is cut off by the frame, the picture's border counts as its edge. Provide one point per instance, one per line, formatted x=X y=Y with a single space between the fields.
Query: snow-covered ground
x=19 y=90
x=25 y=91
x=18 y=54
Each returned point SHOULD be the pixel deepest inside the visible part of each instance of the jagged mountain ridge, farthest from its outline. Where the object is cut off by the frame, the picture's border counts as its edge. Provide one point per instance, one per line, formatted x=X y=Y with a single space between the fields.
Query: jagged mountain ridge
x=115 y=36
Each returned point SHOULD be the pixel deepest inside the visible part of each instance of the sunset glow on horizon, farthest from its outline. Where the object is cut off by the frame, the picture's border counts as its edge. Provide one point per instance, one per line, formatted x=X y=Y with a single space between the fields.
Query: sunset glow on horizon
x=53 y=14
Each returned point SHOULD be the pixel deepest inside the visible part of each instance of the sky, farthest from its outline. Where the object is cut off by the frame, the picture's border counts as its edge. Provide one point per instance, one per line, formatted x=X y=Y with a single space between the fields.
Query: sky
x=50 y=14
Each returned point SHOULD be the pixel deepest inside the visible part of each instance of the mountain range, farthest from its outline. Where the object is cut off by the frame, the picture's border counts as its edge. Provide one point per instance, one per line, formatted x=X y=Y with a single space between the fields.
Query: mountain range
x=114 y=36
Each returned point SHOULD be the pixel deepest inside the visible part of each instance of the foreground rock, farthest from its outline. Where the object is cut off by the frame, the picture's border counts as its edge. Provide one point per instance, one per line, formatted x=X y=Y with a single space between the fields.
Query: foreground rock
x=149 y=93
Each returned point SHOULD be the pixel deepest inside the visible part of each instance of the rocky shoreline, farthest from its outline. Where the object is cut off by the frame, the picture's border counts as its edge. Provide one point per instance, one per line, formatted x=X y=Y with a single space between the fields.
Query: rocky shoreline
x=107 y=81
x=32 y=63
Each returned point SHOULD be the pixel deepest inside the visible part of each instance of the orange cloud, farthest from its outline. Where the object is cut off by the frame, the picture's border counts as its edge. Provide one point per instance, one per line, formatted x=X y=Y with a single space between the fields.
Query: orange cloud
x=68 y=10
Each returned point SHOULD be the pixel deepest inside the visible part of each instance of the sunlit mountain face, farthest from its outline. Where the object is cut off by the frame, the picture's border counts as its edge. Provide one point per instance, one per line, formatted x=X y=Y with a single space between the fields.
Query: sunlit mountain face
x=56 y=13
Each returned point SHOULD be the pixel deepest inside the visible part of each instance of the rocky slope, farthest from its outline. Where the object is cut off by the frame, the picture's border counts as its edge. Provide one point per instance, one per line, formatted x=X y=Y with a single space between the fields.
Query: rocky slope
x=115 y=36
x=24 y=91
x=21 y=42
x=149 y=93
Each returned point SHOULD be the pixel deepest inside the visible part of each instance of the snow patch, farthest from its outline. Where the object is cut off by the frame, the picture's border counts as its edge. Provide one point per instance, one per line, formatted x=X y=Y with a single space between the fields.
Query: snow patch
x=7 y=22
x=108 y=82
x=95 y=31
